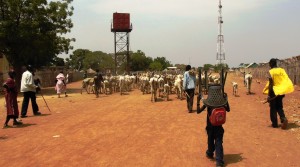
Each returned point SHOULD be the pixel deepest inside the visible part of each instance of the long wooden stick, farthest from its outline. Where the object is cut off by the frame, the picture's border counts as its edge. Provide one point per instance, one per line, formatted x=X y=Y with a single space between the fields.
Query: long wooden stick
x=44 y=100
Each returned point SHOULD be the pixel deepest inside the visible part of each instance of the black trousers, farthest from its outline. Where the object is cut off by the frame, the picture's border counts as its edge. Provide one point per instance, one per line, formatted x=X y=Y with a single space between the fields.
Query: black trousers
x=27 y=96
x=190 y=98
x=276 y=106
x=97 y=89
x=215 y=142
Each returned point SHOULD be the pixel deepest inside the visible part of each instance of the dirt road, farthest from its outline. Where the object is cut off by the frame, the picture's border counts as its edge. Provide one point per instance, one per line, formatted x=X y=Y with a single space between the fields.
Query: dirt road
x=130 y=130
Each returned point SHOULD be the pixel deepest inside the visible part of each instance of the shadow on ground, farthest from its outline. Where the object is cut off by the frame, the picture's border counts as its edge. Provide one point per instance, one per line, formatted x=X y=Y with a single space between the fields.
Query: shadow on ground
x=233 y=158
x=292 y=126
x=24 y=125
x=51 y=91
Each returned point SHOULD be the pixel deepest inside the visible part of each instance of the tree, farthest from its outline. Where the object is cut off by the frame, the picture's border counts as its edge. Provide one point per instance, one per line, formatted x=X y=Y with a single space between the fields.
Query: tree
x=139 y=61
x=207 y=67
x=180 y=66
x=98 y=60
x=107 y=61
x=57 y=61
x=163 y=61
x=156 y=66
x=76 y=59
x=31 y=32
x=67 y=63
x=219 y=67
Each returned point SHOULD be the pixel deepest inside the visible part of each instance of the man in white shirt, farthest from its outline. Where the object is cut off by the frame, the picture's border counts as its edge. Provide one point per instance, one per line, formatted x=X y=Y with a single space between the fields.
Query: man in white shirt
x=28 y=88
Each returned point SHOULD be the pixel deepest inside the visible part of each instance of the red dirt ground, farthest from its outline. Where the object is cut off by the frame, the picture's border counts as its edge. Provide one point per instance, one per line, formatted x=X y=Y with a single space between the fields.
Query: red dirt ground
x=130 y=130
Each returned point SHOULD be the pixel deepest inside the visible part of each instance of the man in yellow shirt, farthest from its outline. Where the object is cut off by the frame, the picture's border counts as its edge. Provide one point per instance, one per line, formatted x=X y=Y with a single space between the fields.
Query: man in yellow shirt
x=279 y=84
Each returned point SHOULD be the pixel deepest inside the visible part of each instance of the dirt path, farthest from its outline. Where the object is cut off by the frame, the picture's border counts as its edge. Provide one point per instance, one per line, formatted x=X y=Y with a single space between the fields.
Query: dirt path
x=130 y=130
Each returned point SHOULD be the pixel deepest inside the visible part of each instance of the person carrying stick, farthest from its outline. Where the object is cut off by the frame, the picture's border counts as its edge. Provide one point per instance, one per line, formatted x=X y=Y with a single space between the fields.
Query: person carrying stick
x=189 y=84
x=28 y=88
x=278 y=85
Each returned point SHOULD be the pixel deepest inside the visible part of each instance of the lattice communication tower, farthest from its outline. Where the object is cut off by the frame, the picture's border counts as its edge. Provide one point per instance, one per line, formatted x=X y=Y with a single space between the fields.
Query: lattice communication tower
x=220 y=43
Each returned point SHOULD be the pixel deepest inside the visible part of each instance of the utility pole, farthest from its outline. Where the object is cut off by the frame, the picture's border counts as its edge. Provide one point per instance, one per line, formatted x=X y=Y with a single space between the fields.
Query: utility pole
x=220 y=43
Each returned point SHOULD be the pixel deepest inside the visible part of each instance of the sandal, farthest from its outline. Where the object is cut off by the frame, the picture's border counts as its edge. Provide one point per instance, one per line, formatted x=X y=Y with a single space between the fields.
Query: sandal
x=5 y=126
x=17 y=123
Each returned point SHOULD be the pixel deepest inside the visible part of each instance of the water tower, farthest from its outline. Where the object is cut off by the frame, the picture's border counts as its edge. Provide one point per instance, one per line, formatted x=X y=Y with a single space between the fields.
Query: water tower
x=121 y=27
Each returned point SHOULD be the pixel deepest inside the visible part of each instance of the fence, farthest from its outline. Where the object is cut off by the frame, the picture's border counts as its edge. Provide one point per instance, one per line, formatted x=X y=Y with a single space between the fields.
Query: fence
x=291 y=66
x=48 y=77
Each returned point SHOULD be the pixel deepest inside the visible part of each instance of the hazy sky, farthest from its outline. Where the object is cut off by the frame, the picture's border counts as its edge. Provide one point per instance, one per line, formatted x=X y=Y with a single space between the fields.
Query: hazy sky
x=185 y=31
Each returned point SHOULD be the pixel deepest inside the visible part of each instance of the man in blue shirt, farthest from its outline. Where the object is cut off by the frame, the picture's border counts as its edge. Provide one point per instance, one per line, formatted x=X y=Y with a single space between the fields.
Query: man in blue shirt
x=189 y=83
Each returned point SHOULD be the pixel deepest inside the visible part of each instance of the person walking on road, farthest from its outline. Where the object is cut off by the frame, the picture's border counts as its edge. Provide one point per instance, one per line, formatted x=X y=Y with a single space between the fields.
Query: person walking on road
x=97 y=80
x=216 y=101
x=189 y=83
x=28 y=88
x=279 y=84
x=84 y=75
x=11 y=93
x=61 y=85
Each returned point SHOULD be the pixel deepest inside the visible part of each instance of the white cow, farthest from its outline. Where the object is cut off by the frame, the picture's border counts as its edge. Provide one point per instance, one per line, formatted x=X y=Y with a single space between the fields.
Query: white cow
x=122 y=84
x=114 y=80
x=128 y=83
x=214 y=79
x=234 y=88
x=107 y=86
x=167 y=89
x=178 y=86
x=133 y=79
x=154 y=86
x=160 y=80
x=145 y=86
x=248 y=80
x=88 y=85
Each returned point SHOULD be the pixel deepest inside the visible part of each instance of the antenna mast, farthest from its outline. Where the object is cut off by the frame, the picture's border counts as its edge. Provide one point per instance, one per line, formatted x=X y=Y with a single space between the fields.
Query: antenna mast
x=220 y=43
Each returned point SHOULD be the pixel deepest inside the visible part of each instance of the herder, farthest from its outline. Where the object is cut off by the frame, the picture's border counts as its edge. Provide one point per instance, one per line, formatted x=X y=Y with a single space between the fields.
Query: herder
x=217 y=105
x=279 y=84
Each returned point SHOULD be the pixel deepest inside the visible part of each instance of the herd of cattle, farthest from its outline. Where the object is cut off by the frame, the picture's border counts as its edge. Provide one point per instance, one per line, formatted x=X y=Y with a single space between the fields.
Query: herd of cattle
x=158 y=85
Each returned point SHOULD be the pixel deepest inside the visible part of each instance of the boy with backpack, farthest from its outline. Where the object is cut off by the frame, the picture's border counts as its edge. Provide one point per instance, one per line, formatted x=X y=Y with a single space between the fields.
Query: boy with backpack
x=217 y=105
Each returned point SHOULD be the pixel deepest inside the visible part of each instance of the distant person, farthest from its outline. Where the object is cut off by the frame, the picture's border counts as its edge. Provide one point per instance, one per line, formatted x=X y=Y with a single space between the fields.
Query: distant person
x=97 y=79
x=279 y=84
x=28 y=88
x=244 y=74
x=189 y=83
x=61 y=86
x=11 y=102
x=37 y=82
x=84 y=75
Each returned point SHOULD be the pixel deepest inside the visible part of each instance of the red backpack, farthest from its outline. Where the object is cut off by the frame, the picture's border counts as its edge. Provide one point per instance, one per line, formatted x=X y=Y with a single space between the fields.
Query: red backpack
x=218 y=116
